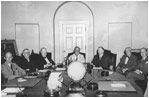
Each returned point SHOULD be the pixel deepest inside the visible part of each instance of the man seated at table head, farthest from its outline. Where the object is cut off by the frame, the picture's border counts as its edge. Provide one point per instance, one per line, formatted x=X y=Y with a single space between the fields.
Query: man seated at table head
x=9 y=69
x=77 y=56
x=141 y=71
x=45 y=59
x=127 y=63
x=27 y=63
x=102 y=60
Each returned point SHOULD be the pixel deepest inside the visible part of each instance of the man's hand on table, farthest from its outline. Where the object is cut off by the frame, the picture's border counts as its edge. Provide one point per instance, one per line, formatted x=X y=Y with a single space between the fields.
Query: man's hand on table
x=47 y=65
x=124 y=70
x=138 y=71
x=111 y=67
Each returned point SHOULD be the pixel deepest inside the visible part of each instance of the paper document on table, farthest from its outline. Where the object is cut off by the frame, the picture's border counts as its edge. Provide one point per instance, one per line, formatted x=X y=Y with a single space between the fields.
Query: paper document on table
x=118 y=85
x=12 y=90
x=97 y=68
x=60 y=68
x=30 y=77
x=44 y=70
x=8 y=95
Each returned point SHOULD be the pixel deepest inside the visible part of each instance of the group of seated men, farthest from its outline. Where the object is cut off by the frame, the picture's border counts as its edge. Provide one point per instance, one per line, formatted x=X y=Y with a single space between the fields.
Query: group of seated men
x=128 y=66
x=25 y=64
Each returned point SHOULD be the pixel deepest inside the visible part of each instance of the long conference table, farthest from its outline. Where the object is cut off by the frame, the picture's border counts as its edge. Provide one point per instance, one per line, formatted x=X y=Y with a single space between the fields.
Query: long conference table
x=36 y=86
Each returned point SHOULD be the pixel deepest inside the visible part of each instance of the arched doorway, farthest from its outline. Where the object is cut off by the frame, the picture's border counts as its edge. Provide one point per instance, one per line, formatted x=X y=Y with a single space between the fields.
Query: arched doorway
x=73 y=24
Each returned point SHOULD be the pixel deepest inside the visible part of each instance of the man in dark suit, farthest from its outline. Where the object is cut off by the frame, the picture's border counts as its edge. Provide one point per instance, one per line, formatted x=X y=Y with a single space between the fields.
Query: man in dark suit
x=45 y=60
x=141 y=70
x=127 y=63
x=102 y=60
x=9 y=69
x=27 y=63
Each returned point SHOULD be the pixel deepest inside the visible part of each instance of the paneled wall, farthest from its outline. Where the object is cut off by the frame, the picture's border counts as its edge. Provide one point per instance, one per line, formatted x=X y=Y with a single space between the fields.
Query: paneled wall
x=104 y=13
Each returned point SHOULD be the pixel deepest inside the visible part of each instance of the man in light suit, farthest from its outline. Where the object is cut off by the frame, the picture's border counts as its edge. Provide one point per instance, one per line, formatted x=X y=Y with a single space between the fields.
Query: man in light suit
x=77 y=56
x=127 y=63
x=9 y=69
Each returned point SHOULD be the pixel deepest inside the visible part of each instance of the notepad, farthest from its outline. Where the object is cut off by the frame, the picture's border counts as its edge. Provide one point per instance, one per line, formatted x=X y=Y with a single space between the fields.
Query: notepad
x=118 y=85
x=12 y=90
x=21 y=80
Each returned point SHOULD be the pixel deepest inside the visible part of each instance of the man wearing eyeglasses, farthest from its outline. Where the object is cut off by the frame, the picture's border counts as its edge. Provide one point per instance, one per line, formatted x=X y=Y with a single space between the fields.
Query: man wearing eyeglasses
x=9 y=69
x=27 y=62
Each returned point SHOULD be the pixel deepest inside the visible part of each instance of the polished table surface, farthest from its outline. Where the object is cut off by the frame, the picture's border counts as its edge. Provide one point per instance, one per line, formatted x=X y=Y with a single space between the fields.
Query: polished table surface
x=26 y=82
x=38 y=90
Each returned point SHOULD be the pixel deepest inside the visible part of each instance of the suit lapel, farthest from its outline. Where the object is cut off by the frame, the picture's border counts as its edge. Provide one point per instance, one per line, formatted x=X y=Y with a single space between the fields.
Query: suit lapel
x=9 y=69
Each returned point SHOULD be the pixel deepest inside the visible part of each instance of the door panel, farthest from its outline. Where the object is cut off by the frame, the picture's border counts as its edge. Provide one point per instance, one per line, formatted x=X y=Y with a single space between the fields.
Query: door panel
x=79 y=42
x=73 y=35
x=69 y=43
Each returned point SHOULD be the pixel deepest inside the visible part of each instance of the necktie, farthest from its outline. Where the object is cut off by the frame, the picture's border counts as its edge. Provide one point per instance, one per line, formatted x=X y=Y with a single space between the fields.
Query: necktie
x=12 y=69
x=76 y=58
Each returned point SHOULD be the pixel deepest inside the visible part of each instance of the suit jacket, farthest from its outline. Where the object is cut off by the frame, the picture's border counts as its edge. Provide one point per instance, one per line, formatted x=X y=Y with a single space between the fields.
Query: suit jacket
x=24 y=64
x=143 y=66
x=11 y=72
x=131 y=64
x=104 y=62
x=42 y=61
x=79 y=58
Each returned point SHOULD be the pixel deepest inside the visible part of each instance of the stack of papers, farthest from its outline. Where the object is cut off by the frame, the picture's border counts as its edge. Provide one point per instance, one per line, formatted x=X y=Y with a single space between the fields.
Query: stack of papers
x=21 y=80
x=12 y=90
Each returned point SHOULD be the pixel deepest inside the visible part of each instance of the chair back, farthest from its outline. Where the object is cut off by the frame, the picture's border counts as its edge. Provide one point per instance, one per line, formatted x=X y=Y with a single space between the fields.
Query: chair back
x=137 y=53
x=113 y=58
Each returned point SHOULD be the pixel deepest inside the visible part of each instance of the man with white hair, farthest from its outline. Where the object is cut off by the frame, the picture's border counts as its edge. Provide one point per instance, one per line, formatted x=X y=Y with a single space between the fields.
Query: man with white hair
x=45 y=60
x=127 y=63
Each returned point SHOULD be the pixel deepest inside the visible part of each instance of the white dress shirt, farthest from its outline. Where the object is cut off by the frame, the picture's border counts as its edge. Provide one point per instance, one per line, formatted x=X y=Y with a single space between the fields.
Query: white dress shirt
x=46 y=59
x=79 y=58
x=126 y=60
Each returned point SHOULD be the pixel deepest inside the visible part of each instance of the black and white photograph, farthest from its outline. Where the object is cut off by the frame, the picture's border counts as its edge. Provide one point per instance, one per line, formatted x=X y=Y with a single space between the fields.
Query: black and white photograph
x=74 y=48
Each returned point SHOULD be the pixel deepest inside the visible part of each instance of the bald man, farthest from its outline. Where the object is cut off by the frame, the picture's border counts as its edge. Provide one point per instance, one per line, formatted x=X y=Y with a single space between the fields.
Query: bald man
x=127 y=63
x=45 y=59
x=9 y=69
x=77 y=56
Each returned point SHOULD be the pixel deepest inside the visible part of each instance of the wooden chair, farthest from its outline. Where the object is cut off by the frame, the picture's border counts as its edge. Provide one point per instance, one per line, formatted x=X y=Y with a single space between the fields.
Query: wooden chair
x=113 y=58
